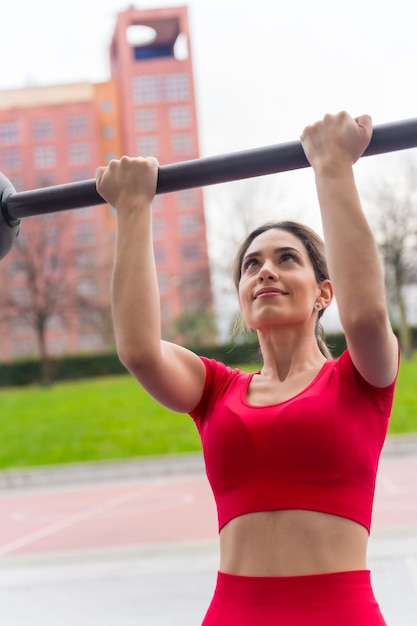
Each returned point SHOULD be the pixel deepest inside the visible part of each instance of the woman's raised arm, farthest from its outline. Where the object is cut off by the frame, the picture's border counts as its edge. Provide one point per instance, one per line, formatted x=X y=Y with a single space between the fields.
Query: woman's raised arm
x=170 y=373
x=332 y=146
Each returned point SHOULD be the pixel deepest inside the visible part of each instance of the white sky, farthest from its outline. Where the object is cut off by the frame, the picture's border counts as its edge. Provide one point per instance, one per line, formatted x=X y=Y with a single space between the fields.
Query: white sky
x=263 y=69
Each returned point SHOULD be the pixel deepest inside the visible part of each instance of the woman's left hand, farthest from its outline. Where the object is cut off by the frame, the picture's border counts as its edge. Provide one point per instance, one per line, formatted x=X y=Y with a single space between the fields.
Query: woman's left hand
x=337 y=139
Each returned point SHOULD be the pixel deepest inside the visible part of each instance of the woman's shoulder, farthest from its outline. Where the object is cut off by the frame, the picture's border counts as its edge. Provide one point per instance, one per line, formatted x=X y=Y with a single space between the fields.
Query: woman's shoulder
x=219 y=377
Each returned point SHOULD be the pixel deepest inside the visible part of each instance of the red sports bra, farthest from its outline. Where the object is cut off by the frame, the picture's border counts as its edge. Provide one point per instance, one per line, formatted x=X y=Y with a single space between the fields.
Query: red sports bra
x=317 y=451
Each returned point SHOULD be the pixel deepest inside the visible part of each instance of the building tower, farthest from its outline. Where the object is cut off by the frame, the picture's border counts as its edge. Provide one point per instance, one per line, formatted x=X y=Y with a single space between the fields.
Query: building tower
x=60 y=133
x=150 y=60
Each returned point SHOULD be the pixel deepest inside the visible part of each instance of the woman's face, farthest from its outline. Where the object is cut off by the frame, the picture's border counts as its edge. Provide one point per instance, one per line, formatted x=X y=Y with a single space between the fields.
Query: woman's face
x=277 y=284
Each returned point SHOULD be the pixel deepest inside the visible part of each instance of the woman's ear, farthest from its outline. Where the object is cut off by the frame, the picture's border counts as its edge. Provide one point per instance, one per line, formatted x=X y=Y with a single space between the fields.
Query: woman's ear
x=326 y=293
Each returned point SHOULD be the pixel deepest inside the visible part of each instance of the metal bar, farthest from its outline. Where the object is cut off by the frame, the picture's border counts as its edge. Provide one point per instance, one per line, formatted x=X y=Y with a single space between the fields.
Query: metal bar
x=389 y=137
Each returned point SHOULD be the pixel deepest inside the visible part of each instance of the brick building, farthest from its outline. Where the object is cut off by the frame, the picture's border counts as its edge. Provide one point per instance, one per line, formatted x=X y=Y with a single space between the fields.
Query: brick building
x=56 y=134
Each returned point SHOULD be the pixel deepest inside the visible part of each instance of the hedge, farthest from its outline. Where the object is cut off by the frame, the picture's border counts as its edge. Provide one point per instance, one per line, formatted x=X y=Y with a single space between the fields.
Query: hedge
x=72 y=367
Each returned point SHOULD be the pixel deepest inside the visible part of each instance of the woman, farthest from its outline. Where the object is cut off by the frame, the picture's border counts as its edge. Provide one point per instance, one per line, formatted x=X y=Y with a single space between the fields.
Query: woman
x=291 y=451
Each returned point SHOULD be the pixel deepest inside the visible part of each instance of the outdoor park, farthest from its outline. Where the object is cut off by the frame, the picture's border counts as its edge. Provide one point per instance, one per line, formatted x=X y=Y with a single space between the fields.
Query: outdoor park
x=113 y=418
x=281 y=497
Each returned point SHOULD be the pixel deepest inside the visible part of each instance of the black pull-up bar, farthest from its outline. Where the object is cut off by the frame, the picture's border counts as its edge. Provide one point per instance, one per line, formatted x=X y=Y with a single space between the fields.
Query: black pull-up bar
x=272 y=159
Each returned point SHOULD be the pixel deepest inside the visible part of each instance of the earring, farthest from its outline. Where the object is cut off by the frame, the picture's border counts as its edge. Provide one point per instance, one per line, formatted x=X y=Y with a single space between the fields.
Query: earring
x=317 y=306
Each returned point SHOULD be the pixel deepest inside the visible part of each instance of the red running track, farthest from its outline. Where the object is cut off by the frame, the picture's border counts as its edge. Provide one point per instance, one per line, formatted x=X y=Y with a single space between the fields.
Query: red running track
x=153 y=511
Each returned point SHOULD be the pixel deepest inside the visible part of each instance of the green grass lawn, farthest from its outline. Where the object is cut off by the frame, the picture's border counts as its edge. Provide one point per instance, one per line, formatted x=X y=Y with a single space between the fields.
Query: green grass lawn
x=113 y=418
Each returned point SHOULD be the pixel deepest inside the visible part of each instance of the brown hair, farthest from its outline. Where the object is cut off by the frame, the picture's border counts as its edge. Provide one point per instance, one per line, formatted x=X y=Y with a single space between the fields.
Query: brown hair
x=314 y=246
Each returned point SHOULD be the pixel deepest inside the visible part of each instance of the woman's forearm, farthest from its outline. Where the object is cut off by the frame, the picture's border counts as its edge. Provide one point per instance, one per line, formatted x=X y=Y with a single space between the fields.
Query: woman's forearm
x=353 y=259
x=135 y=293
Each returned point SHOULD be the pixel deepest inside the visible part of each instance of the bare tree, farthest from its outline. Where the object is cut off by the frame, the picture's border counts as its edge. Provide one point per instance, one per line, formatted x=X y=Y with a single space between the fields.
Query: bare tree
x=194 y=328
x=40 y=284
x=394 y=199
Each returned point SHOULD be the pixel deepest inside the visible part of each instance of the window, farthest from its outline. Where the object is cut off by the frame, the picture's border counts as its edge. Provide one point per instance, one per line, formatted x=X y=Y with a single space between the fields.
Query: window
x=158 y=203
x=188 y=224
x=176 y=87
x=45 y=180
x=9 y=133
x=53 y=262
x=182 y=143
x=78 y=153
x=55 y=322
x=106 y=106
x=190 y=251
x=148 y=145
x=80 y=174
x=16 y=265
x=10 y=159
x=85 y=234
x=145 y=119
x=56 y=345
x=146 y=89
x=92 y=341
x=165 y=311
x=42 y=129
x=108 y=132
x=166 y=88
x=18 y=324
x=23 y=347
x=85 y=212
x=20 y=295
x=44 y=157
x=158 y=227
x=163 y=282
x=180 y=117
x=87 y=288
x=84 y=260
x=50 y=235
x=196 y=280
x=160 y=253
x=186 y=199
x=77 y=126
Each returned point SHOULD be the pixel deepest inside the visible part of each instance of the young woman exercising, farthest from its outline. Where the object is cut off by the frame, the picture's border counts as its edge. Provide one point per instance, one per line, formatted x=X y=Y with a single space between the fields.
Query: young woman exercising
x=291 y=451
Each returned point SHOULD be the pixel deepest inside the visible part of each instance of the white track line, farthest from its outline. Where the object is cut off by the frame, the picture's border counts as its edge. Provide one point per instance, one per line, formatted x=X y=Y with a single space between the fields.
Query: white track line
x=70 y=521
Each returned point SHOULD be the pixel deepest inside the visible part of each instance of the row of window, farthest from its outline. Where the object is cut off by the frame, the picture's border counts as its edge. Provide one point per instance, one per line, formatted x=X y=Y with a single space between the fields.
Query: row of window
x=45 y=157
x=47 y=178
x=179 y=117
x=56 y=344
x=188 y=224
x=43 y=129
x=87 y=288
x=181 y=144
x=189 y=251
x=161 y=88
x=145 y=120
x=189 y=283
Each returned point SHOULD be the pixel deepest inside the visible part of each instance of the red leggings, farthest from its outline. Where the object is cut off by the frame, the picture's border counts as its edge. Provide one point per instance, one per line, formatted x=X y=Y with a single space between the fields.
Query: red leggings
x=336 y=599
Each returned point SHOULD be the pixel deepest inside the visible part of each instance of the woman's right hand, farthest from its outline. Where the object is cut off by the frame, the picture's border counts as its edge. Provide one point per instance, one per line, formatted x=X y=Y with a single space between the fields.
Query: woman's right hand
x=125 y=182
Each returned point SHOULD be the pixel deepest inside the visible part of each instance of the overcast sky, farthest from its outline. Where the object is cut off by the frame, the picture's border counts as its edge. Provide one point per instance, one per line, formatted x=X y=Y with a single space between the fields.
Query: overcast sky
x=263 y=69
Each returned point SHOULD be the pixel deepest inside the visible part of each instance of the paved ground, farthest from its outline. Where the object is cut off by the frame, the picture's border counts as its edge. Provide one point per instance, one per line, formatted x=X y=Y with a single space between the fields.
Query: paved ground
x=136 y=543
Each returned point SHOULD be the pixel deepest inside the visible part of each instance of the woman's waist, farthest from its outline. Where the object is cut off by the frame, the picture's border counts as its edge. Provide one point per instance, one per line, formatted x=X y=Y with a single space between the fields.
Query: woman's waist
x=291 y=543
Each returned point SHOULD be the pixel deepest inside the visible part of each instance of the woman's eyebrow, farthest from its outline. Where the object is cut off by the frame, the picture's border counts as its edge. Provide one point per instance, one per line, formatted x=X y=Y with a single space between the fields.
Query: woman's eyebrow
x=279 y=250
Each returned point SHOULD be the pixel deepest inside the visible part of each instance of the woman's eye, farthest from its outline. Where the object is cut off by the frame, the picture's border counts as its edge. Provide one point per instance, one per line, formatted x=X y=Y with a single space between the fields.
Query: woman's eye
x=287 y=257
x=249 y=264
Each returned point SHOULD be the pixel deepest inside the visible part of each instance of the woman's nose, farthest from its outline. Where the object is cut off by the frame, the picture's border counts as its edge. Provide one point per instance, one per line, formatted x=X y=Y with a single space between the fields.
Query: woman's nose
x=267 y=273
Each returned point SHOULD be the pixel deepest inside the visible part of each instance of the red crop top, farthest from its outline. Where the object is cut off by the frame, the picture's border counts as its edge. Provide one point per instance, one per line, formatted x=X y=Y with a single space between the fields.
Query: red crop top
x=318 y=450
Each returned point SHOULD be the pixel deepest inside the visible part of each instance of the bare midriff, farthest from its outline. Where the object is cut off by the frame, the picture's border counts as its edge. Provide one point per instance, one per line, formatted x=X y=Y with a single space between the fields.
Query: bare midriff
x=291 y=543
